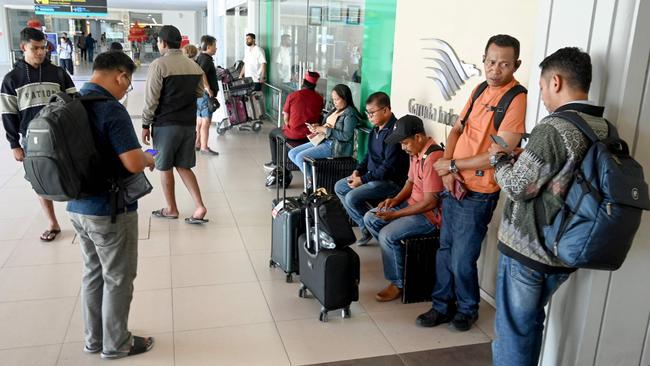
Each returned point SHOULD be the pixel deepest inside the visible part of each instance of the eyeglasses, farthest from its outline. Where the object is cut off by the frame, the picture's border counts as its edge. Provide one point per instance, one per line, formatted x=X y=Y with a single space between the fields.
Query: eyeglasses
x=130 y=88
x=372 y=113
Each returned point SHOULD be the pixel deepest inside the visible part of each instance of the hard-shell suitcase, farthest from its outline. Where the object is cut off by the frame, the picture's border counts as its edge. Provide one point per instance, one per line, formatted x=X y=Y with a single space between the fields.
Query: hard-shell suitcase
x=329 y=171
x=331 y=275
x=254 y=105
x=236 y=110
x=287 y=225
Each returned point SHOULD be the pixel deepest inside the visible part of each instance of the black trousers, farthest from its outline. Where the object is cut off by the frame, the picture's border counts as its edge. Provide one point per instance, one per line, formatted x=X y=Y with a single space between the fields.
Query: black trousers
x=84 y=54
x=273 y=143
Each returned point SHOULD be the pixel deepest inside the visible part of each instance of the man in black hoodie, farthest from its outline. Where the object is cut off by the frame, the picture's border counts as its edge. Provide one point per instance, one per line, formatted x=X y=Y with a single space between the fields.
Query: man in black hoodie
x=25 y=91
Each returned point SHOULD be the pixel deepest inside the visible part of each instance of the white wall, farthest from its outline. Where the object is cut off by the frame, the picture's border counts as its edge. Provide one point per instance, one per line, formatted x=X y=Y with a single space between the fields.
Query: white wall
x=5 y=58
x=466 y=25
x=597 y=317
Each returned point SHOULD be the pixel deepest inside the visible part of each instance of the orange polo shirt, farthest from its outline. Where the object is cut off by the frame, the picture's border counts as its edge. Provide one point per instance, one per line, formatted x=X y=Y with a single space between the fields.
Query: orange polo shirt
x=475 y=138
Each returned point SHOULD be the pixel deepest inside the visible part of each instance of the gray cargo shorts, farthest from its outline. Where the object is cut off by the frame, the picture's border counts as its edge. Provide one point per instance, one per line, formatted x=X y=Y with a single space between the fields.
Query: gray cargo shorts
x=175 y=145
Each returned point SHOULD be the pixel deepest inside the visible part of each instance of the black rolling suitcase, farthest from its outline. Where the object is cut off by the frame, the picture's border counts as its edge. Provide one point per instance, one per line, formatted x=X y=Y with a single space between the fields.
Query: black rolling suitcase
x=287 y=224
x=331 y=275
x=330 y=171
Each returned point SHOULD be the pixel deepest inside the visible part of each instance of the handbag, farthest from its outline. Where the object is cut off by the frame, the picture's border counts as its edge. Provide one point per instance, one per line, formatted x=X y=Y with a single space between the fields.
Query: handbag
x=134 y=187
x=213 y=104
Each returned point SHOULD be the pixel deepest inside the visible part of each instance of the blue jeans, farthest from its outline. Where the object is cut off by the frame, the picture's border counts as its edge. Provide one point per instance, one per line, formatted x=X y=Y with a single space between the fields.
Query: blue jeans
x=521 y=296
x=389 y=234
x=464 y=225
x=321 y=151
x=356 y=200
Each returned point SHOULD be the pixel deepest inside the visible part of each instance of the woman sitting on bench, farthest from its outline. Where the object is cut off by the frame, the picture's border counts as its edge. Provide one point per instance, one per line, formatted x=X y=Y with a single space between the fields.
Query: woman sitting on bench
x=335 y=138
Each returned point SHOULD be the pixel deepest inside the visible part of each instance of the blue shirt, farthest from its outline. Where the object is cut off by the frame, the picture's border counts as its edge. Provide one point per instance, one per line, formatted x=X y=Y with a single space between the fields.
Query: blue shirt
x=384 y=161
x=115 y=129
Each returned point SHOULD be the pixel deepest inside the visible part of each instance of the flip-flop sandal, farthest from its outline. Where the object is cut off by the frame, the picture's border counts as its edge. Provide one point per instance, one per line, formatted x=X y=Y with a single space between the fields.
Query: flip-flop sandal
x=49 y=235
x=161 y=213
x=138 y=345
x=195 y=221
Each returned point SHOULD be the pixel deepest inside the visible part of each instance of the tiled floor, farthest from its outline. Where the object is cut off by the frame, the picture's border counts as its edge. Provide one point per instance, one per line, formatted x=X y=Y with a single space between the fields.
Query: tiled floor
x=205 y=292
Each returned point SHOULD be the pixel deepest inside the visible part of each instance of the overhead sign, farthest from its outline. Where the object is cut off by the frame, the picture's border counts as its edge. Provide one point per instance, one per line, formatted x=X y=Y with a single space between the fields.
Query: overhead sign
x=71 y=7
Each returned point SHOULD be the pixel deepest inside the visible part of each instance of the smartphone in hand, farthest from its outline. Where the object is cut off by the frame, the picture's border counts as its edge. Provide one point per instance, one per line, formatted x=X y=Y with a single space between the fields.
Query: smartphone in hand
x=499 y=141
x=152 y=152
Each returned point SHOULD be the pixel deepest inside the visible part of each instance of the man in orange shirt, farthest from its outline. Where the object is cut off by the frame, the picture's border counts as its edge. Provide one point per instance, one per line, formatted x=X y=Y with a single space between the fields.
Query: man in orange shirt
x=471 y=193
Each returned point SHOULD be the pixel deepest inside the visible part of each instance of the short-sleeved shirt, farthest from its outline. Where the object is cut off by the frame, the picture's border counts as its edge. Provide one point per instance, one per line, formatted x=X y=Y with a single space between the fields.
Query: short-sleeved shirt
x=253 y=59
x=425 y=179
x=302 y=106
x=475 y=138
x=115 y=130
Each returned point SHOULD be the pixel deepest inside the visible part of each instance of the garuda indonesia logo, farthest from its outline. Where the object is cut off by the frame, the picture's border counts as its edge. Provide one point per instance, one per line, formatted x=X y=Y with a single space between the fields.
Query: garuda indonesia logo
x=444 y=67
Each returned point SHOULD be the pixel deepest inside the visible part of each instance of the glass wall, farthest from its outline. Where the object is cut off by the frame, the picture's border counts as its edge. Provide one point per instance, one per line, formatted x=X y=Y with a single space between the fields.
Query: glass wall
x=236 y=24
x=319 y=35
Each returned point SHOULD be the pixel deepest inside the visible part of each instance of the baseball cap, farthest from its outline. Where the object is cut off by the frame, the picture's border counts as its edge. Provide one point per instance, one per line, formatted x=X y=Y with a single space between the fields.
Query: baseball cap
x=406 y=126
x=170 y=34
x=313 y=78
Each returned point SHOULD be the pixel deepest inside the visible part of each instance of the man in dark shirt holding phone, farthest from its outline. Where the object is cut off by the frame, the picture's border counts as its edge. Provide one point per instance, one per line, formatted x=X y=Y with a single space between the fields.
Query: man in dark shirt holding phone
x=110 y=249
x=382 y=172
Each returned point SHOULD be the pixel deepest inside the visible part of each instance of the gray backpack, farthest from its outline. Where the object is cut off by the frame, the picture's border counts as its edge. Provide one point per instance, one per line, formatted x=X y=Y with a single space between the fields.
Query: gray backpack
x=60 y=153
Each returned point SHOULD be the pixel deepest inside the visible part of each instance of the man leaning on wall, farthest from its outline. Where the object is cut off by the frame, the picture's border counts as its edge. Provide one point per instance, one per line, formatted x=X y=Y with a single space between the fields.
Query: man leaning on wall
x=471 y=193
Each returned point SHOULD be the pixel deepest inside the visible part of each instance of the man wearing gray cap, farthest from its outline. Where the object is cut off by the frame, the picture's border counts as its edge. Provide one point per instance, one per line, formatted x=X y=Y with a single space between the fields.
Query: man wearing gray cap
x=174 y=82
x=414 y=211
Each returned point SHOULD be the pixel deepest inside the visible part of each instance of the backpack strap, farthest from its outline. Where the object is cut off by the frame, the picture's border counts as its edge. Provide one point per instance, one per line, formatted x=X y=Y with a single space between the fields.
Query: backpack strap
x=504 y=104
x=479 y=90
x=433 y=148
x=575 y=119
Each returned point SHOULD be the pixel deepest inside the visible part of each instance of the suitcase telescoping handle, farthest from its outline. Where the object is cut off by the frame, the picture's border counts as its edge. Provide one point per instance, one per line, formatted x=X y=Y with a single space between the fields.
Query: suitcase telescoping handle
x=308 y=236
x=280 y=165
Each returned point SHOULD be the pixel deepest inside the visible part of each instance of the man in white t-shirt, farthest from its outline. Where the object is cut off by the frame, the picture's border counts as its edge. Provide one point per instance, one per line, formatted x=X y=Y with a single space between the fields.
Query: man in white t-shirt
x=254 y=61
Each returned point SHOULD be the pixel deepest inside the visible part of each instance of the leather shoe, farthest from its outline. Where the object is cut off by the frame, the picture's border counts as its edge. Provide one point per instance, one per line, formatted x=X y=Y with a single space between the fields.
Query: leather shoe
x=390 y=293
x=463 y=322
x=432 y=318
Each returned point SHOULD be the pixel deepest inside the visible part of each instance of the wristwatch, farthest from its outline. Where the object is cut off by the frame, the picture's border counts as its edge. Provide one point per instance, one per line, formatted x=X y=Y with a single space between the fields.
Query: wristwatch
x=452 y=166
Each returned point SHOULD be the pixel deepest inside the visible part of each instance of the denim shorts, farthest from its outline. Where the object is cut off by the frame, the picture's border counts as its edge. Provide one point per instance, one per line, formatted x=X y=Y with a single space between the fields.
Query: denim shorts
x=202 y=106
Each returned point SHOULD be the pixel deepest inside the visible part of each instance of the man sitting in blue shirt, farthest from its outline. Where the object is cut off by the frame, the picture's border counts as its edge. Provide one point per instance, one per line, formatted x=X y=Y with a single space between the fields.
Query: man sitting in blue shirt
x=382 y=172
x=110 y=250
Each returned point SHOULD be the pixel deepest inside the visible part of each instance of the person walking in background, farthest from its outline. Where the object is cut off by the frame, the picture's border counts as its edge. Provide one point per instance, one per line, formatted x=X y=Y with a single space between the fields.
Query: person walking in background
x=81 y=45
x=65 y=55
x=90 y=46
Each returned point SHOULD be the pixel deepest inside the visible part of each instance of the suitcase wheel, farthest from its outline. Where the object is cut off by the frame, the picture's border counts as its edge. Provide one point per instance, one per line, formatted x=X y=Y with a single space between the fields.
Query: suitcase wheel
x=272 y=264
x=289 y=278
x=323 y=315
x=257 y=126
x=345 y=312
x=302 y=293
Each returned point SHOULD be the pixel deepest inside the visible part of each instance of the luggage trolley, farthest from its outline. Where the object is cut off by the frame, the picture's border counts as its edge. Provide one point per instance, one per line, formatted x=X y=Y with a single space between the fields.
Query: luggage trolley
x=243 y=103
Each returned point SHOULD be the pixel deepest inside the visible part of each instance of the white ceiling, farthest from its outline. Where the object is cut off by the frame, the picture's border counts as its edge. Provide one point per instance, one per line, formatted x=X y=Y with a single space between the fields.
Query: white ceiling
x=139 y=4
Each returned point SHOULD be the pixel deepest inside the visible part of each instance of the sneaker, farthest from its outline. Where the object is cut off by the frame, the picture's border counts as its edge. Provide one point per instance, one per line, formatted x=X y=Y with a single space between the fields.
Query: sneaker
x=270 y=165
x=209 y=151
x=463 y=322
x=364 y=239
x=432 y=318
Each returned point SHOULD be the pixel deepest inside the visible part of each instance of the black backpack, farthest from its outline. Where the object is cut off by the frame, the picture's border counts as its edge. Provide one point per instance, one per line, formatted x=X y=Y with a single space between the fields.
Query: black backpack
x=60 y=153
x=501 y=108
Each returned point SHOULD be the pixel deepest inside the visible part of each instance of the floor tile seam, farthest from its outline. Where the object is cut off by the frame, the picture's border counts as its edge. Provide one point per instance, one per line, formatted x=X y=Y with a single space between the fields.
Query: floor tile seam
x=238 y=325
x=259 y=283
x=383 y=333
x=214 y=284
x=37 y=299
x=67 y=329
x=198 y=253
x=3 y=349
x=169 y=244
x=9 y=256
x=39 y=265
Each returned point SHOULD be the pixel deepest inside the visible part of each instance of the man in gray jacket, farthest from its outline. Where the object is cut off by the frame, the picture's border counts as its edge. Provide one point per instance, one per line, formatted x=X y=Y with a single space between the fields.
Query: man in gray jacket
x=174 y=82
